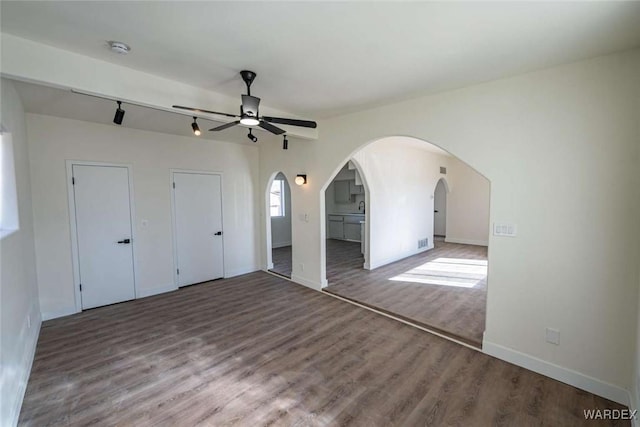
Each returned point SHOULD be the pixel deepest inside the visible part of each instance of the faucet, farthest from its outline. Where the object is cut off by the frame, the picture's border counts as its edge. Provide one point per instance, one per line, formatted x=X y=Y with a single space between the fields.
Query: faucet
x=362 y=205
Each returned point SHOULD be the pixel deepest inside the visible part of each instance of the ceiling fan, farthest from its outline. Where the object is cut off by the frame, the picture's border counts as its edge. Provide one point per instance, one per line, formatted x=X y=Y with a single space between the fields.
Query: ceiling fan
x=249 y=115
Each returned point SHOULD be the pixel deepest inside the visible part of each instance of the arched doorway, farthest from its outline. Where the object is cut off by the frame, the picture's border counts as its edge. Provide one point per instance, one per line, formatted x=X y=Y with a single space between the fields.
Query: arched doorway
x=437 y=285
x=440 y=211
x=346 y=203
x=279 y=225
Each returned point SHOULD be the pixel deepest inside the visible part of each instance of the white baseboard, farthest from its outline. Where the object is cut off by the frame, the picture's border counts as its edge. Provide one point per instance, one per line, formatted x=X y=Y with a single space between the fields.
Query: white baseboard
x=280 y=245
x=30 y=352
x=241 y=271
x=565 y=375
x=392 y=259
x=466 y=241
x=143 y=293
x=270 y=266
x=306 y=282
x=48 y=315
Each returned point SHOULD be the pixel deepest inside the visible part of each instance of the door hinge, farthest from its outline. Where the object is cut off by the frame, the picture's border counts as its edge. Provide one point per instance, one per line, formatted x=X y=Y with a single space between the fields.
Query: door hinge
x=174 y=185
x=80 y=287
x=73 y=181
x=177 y=270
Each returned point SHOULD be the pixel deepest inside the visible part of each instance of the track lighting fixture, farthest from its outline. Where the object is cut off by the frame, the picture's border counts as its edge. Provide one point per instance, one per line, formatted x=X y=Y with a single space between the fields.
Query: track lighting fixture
x=195 y=127
x=117 y=119
x=285 y=143
x=251 y=137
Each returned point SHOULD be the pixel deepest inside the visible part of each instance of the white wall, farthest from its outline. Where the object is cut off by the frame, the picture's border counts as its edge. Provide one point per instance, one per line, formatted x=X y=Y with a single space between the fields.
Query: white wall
x=18 y=285
x=401 y=181
x=54 y=140
x=571 y=129
x=467 y=205
x=281 y=225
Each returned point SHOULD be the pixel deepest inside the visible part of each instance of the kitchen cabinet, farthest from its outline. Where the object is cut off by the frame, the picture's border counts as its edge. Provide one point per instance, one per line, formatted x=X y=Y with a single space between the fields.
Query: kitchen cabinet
x=341 y=192
x=355 y=188
x=336 y=227
x=345 y=227
x=352 y=231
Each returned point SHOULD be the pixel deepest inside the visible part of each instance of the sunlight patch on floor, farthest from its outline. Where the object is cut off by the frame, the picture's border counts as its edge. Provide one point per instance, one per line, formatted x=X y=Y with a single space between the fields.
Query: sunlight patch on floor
x=456 y=272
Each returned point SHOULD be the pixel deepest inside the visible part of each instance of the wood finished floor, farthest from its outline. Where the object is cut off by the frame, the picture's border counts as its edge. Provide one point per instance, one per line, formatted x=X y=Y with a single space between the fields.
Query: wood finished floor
x=455 y=311
x=258 y=350
x=281 y=258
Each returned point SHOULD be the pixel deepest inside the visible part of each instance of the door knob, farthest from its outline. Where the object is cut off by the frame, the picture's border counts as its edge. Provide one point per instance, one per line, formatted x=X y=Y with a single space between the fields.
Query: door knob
x=219 y=233
x=125 y=241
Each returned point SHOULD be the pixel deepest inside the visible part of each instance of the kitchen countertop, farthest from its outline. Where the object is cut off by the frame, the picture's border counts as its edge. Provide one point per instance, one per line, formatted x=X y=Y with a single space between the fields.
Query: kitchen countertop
x=347 y=214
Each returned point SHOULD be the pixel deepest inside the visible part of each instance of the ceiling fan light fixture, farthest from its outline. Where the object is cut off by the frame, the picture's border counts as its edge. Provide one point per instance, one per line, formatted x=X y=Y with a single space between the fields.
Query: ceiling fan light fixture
x=249 y=121
x=195 y=127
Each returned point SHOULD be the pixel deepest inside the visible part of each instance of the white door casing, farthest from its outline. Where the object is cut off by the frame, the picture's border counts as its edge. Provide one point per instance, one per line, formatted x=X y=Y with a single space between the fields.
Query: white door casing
x=199 y=249
x=103 y=217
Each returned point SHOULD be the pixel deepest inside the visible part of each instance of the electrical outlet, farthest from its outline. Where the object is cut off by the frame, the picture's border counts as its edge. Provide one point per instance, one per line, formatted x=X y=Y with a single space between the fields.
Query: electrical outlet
x=28 y=321
x=301 y=267
x=553 y=336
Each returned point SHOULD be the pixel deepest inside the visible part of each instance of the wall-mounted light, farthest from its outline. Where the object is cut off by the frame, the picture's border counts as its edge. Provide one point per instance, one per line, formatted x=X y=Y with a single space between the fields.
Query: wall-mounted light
x=285 y=143
x=195 y=127
x=117 y=119
x=301 y=179
x=251 y=136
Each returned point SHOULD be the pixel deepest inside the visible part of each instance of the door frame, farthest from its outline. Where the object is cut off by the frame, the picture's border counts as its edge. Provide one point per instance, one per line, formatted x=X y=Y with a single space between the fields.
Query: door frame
x=174 y=240
x=74 y=230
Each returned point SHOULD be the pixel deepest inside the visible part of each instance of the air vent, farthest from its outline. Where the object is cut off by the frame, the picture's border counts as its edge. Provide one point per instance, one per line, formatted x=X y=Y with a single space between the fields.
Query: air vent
x=443 y=170
x=423 y=243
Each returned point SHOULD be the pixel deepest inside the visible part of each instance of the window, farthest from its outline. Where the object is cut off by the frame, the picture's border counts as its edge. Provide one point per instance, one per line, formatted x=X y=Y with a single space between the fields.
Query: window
x=277 y=198
x=8 y=193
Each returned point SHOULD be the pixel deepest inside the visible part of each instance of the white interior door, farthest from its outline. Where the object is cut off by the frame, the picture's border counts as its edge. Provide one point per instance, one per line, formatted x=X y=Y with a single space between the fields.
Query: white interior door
x=198 y=227
x=103 y=227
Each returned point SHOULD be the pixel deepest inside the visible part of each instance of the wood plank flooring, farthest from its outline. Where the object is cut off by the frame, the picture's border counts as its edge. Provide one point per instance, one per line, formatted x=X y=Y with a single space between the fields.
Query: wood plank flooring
x=427 y=289
x=258 y=350
x=281 y=258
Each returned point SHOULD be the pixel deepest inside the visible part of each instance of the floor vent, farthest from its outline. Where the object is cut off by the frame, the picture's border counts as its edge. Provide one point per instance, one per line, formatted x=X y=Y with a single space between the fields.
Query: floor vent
x=423 y=243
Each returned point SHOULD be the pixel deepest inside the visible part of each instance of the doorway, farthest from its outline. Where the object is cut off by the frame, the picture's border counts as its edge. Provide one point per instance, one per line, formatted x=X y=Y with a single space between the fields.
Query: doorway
x=346 y=204
x=280 y=218
x=102 y=236
x=440 y=211
x=198 y=231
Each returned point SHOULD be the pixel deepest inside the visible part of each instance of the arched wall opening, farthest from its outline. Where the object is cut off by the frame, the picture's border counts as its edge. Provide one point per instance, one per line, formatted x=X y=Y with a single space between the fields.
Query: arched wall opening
x=440 y=209
x=402 y=175
x=278 y=225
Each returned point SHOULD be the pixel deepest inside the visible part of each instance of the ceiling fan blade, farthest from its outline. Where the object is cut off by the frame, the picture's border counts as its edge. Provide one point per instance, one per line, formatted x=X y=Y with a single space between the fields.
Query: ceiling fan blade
x=250 y=105
x=292 y=122
x=225 y=126
x=198 y=110
x=271 y=128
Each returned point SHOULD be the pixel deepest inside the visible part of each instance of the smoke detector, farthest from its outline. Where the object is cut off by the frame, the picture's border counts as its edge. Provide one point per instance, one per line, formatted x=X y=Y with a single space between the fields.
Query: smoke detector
x=119 y=47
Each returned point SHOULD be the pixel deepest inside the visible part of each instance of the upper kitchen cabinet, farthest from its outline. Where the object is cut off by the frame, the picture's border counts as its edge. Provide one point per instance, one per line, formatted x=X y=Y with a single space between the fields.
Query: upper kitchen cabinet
x=342 y=193
x=354 y=188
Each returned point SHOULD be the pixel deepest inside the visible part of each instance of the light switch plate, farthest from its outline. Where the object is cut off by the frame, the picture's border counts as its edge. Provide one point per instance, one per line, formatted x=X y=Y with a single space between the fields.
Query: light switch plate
x=553 y=336
x=504 y=229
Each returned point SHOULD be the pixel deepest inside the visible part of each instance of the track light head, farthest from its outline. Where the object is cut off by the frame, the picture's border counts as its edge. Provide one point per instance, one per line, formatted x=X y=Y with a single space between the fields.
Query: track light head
x=252 y=137
x=195 y=127
x=285 y=143
x=117 y=119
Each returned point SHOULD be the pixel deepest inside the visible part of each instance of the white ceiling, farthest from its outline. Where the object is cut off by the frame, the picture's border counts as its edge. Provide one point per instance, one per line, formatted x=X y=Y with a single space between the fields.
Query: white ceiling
x=319 y=59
